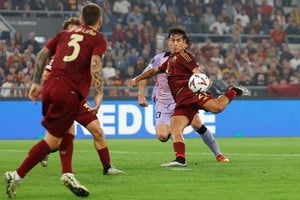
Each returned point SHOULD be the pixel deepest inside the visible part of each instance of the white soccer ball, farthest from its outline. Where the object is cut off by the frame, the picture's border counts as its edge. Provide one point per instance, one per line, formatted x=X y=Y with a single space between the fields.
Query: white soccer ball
x=199 y=82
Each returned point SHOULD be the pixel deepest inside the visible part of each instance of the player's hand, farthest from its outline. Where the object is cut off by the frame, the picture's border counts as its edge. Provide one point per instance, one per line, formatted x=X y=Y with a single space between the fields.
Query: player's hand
x=97 y=102
x=142 y=101
x=133 y=82
x=35 y=92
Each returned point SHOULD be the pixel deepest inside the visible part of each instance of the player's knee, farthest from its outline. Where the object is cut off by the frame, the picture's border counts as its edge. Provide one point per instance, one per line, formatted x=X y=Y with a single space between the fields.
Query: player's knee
x=164 y=138
x=98 y=134
x=196 y=124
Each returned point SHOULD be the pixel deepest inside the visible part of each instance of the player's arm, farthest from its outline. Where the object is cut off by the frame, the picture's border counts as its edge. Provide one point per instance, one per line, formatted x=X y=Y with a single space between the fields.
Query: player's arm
x=45 y=75
x=97 y=80
x=36 y=89
x=40 y=64
x=144 y=75
x=141 y=93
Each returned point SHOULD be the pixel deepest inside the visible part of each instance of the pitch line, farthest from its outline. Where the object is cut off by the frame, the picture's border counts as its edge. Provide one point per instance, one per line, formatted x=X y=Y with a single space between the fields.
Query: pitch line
x=203 y=153
x=157 y=152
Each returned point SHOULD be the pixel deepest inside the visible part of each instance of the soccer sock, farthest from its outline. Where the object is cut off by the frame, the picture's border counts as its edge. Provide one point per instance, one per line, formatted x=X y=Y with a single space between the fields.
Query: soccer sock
x=17 y=177
x=179 y=149
x=104 y=157
x=35 y=155
x=209 y=139
x=66 y=153
x=230 y=94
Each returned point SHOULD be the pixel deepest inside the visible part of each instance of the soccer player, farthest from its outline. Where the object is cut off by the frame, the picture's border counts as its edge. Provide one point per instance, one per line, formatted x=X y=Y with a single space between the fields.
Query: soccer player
x=77 y=64
x=87 y=118
x=165 y=105
x=180 y=65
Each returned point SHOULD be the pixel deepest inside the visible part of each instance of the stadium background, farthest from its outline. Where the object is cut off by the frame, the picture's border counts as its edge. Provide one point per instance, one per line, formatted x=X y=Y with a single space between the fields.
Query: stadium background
x=236 y=53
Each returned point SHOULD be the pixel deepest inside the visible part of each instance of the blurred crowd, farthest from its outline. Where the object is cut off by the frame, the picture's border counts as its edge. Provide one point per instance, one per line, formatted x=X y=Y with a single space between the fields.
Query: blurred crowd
x=135 y=32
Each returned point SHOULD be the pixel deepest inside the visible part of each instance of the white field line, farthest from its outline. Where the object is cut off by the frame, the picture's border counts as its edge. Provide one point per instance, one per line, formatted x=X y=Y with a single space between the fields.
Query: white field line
x=156 y=152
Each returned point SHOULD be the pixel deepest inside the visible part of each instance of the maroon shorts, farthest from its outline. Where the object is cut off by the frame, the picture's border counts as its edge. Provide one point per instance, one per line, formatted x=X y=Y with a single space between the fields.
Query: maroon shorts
x=60 y=105
x=85 y=116
x=188 y=111
x=188 y=103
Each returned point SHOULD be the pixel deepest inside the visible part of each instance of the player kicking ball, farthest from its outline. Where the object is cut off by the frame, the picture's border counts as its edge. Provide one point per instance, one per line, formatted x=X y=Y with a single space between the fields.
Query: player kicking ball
x=179 y=67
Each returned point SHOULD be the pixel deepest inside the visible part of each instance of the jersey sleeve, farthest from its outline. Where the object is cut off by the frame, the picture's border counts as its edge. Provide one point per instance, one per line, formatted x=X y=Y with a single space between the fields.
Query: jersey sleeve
x=155 y=62
x=52 y=43
x=163 y=67
x=101 y=46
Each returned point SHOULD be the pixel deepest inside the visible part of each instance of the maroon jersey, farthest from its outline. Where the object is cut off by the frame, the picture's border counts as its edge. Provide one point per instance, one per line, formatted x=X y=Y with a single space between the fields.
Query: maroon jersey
x=73 y=51
x=69 y=82
x=179 y=67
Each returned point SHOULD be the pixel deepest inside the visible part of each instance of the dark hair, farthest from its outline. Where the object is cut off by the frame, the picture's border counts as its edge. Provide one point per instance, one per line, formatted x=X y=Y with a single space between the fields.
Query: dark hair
x=179 y=31
x=91 y=13
x=69 y=21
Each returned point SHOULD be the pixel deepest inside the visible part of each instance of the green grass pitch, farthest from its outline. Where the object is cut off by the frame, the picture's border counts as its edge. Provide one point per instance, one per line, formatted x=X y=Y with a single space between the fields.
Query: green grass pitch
x=260 y=169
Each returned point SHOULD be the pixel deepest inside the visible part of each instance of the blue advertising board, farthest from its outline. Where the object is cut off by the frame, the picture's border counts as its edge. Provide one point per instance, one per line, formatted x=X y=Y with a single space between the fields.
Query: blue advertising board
x=126 y=119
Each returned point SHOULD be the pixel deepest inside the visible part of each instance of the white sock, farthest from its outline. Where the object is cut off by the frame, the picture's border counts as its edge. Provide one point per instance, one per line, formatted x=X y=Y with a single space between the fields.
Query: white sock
x=68 y=174
x=17 y=177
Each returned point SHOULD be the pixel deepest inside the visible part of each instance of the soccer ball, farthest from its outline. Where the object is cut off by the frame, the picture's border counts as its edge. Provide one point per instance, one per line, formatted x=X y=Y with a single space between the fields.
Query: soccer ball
x=199 y=82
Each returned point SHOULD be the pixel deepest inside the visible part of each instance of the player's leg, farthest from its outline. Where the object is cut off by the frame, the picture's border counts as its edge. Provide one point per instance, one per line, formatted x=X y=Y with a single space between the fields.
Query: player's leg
x=61 y=119
x=66 y=150
x=163 y=114
x=66 y=154
x=35 y=155
x=178 y=123
x=67 y=142
x=208 y=138
x=217 y=105
x=88 y=118
x=163 y=132
x=102 y=148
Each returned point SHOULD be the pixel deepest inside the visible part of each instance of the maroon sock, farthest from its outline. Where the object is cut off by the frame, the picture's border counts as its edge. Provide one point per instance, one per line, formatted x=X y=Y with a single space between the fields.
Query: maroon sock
x=179 y=149
x=104 y=157
x=66 y=153
x=230 y=94
x=35 y=155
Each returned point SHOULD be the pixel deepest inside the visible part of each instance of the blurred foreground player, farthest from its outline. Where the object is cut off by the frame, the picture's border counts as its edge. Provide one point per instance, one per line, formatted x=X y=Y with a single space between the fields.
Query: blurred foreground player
x=86 y=117
x=77 y=64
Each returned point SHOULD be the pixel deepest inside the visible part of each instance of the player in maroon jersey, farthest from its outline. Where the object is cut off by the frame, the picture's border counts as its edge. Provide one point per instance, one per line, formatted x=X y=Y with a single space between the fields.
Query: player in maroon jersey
x=180 y=65
x=87 y=118
x=164 y=106
x=77 y=64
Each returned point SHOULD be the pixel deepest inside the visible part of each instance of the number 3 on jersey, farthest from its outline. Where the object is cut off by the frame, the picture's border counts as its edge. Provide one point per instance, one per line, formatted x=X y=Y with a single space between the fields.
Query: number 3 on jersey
x=75 y=39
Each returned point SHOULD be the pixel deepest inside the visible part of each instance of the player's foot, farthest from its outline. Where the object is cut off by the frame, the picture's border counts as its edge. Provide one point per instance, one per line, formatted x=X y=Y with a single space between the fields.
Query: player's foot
x=241 y=91
x=44 y=162
x=11 y=184
x=73 y=184
x=222 y=158
x=178 y=162
x=112 y=171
